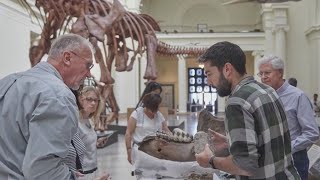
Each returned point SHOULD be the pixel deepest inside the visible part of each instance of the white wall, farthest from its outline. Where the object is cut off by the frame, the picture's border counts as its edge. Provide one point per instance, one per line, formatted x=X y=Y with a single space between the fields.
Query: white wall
x=184 y=15
x=301 y=61
x=15 y=39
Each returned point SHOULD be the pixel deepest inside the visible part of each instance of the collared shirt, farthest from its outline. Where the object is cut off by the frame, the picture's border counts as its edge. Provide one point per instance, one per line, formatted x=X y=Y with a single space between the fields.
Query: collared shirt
x=303 y=128
x=258 y=132
x=38 y=118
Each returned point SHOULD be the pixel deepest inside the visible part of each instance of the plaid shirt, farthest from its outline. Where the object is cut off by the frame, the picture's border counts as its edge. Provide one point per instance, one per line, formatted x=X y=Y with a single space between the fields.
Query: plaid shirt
x=258 y=133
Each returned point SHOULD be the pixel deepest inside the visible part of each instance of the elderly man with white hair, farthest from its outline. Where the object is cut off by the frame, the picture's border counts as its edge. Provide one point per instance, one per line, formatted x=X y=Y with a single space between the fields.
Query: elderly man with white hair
x=302 y=124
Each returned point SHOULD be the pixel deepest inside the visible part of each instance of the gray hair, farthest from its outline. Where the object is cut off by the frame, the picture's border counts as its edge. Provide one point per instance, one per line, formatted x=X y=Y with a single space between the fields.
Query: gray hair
x=68 y=42
x=275 y=61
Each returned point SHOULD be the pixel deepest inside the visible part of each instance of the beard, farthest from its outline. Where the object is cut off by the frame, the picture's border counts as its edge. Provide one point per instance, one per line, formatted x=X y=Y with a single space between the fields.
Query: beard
x=224 y=86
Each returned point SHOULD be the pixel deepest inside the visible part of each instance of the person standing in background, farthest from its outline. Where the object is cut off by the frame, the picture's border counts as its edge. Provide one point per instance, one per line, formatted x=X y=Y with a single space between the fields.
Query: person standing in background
x=302 y=124
x=316 y=105
x=293 y=82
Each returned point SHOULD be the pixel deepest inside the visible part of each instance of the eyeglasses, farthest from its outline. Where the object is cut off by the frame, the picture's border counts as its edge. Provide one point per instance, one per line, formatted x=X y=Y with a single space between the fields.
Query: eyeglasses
x=266 y=74
x=89 y=65
x=89 y=99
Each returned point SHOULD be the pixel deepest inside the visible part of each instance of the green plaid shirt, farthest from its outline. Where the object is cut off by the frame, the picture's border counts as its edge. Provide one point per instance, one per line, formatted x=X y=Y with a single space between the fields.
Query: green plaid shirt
x=258 y=133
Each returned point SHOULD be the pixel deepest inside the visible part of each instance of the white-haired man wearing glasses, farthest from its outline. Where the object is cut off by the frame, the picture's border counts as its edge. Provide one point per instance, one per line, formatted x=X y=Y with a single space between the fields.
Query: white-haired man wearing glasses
x=302 y=124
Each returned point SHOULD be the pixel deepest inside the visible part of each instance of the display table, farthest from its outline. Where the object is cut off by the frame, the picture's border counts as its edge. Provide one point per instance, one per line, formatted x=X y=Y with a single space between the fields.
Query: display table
x=149 y=167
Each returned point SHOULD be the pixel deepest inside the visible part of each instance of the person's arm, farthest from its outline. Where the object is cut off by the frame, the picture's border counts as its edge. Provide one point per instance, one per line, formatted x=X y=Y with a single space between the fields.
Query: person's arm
x=164 y=124
x=223 y=163
x=129 y=135
x=51 y=128
x=165 y=128
x=309 y=127
x=242 y=137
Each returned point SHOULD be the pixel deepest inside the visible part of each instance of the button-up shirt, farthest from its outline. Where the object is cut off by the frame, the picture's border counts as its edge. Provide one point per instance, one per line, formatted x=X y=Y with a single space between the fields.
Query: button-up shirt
x=258 y=133
x=303 y=128
x=38 y=118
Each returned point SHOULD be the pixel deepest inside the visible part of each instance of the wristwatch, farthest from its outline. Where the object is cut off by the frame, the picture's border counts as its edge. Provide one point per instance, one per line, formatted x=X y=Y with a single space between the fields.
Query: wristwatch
x=211 y=164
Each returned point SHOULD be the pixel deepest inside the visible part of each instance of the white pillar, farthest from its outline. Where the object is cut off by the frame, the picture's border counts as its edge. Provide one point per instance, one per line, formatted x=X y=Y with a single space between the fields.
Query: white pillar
x=317 y=58
x=314 y=57
x=280 y=29
x=133 y=5
x=143 y=66
x=257 y=55
x=281 y=46
x=182 y=76
x=267 y=21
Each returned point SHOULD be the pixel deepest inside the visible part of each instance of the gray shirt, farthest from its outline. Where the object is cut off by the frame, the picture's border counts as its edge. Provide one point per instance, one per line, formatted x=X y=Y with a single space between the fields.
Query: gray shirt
x=38 y=118
x=302 y=124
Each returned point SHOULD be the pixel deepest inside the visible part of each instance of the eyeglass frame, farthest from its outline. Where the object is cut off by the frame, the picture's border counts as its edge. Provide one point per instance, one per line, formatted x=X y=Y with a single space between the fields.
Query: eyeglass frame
x=88 y=66
x=89 y=99
x=267 y=73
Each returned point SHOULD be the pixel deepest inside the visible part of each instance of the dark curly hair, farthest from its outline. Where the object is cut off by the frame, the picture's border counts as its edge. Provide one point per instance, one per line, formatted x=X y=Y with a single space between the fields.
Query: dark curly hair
x=151 y=86
x=225 y=52
x=152 y=101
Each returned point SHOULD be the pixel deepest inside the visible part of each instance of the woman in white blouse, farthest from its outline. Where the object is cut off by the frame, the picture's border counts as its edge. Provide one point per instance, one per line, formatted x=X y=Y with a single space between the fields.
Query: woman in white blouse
x=145 y=120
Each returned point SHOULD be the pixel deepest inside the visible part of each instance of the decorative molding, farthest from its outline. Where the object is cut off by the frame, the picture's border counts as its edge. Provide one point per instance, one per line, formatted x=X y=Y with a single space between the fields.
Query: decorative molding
x=247 y=41
x=258 y=53
x=313 y=32
x=279 y=28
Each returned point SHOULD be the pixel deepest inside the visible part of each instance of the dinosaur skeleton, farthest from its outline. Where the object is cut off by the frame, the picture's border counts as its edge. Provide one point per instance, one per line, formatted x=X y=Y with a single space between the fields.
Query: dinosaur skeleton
x=104 y=24
x=169 y=50
x=109 y=26
x=259 y=1
x=178 y=136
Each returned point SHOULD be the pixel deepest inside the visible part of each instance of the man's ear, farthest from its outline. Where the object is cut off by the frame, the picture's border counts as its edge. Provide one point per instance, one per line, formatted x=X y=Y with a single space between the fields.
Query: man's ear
x=66 y=58
x=227 y=70
x=281 y=72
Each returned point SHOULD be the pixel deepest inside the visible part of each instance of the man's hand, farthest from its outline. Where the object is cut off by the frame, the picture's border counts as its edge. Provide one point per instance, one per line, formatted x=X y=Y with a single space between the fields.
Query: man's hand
x=204 y=157
x=78 y=174
x=219 y=142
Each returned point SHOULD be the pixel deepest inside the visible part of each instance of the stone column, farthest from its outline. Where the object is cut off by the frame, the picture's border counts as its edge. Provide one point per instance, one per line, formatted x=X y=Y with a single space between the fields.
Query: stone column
x=257 y=55
x=267 y=22
x=280 y=28
x=133 y=5
x=314 y=58
x=182 y=76
x=142 y=69
x=280 y=45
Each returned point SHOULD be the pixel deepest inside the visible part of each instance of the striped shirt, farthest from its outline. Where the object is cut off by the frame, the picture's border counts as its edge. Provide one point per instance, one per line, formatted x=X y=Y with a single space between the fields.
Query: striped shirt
x=74 y=159
x=258 y=134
